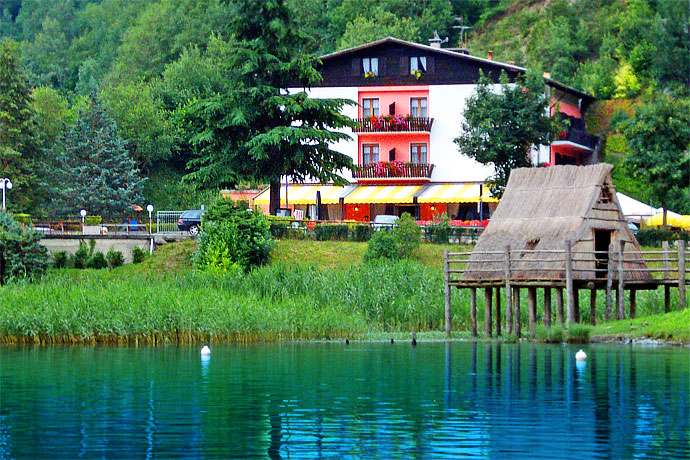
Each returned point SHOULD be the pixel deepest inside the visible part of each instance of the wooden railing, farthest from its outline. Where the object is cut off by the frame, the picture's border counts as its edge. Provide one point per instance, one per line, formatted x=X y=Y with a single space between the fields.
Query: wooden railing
x=390 y=170
x=385 y=124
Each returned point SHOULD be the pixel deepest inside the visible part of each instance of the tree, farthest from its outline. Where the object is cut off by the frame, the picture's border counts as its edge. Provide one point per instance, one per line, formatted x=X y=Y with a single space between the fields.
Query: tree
x=93 y=169
x=258 y=130
x=21 y=254
x=500 y=128
x=658 y=138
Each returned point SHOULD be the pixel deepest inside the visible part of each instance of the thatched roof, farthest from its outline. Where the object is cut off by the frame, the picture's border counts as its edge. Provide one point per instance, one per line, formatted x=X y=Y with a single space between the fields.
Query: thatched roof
x=541 y=209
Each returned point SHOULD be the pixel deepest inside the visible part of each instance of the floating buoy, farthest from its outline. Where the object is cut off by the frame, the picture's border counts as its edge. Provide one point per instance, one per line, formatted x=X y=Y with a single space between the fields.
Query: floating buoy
x=205 y=351
x=581 y=355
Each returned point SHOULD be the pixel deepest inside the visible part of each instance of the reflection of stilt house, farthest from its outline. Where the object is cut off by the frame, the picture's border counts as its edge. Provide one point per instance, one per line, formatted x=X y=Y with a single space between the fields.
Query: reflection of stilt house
x=557 y=227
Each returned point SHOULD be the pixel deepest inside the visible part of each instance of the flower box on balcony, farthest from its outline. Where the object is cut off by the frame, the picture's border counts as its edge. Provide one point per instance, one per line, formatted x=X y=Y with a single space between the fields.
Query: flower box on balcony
x=395 y=123
x=393 y=169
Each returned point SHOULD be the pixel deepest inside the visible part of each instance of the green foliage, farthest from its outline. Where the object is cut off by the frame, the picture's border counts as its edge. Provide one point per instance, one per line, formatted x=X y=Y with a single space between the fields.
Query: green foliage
x=331 y=232
x=400 y=242
x=656 y=236
x=658 y=137
x=382 y=245
x=60 y=259
x=361 y=233
x=439 y=231
x=81 y=255
x=97 y=261
x=578 y=333
x=93 y=169
x=138 y=255
x=21 y=255
x=233 y=236
x=500 y=128
x=53 y=115
x=115 y=258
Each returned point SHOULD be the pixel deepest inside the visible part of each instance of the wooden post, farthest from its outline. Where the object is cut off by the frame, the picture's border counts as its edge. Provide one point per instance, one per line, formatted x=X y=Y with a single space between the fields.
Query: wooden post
x=667 y=275
x=547 y=307
x=576 y=304
x=593 y=307
x=569 y=283
x=516 y=311
x=620 y=305
x=509 y=293
x=487 y=311
x=473 y=311
x=681 y=274
x=633 y=303
x=559 y=305
x=532 y=307
x=609 y=284
x=498 y=311
x=446 y=270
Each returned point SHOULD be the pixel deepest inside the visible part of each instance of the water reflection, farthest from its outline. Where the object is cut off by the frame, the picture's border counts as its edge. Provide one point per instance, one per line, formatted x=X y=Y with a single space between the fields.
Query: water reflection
x=437 y=400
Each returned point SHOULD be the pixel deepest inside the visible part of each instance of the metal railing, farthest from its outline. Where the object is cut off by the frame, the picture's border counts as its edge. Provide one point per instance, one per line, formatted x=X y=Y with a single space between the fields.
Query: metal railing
x=386 y=124
x=577 y=136
x=392 y=170
x=166 y=221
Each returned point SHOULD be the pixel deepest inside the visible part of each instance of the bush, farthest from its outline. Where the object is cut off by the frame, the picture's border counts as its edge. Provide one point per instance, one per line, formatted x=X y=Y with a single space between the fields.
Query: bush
x=81 y=255
x=654 y=236
x=331 y=232
x=439 y=231
x=96 y=261
x=578 y=333
x=60 y=259
x=361 y=233
x=92 y=221
x=23 y=256
x=233 y=236
x=138 y=255
x=23 y=218
x=114 y=258
x=382 y=245
x=408 y=234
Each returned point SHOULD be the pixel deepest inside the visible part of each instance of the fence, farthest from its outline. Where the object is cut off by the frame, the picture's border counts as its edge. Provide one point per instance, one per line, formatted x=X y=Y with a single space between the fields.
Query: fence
x=166 y=221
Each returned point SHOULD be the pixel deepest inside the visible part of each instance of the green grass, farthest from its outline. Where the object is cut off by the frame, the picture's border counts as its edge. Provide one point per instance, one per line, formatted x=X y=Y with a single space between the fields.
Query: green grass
x=673 y=326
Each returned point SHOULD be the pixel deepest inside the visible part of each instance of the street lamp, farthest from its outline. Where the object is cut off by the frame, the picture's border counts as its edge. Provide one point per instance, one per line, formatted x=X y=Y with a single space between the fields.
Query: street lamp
x=149 y=208
x=6 y=184
x=82 y=213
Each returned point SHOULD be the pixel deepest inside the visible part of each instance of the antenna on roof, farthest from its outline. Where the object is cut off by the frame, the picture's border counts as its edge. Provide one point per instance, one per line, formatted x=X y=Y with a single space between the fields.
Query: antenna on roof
x=463 y=31
x=436 y=42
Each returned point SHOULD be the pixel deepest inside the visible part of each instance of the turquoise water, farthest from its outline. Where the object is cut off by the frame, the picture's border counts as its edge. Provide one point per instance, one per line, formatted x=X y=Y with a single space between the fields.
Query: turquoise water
x=379 y=400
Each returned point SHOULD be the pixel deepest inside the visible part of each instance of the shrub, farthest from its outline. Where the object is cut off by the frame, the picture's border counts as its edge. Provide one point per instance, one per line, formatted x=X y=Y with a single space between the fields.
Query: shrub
x=81 y=255
x=439 y=231
x=654 y=236
x=92 y=220
x=331 y=232
x=408 y=234
x=382 y=245
x=23 y=256
x=578 y=333
x=233 y=236
x=361 y=233
x=60 y=259
x=23 y=218
x=97 y=261
x=278 y=229
x=114 y=258
x=138 y=255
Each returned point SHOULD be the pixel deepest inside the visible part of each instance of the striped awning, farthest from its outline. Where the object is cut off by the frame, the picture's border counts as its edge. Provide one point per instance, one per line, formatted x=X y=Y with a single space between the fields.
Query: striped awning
x=455 y=193
x=383 y=194
x=306 y=194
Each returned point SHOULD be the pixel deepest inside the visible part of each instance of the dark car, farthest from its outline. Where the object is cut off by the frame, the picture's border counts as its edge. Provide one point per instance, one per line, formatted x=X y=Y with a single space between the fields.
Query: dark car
x=190 y=221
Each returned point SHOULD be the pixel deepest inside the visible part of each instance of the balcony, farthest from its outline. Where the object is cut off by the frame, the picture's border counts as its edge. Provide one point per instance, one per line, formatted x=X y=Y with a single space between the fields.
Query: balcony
x=393 y=170
x=578 y=137
x=392 y=124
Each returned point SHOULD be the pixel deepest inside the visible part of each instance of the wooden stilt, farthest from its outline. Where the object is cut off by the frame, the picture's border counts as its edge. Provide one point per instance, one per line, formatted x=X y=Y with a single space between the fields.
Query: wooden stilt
x=681 y=274
x=569 y=283
x=547 y=307
x=532 y=307
x=559 y=305
x=576 y=305
x=498 y=311
x=473 y=311
x=509 y=293
x=609 y=284
x=633 y=303
x=620 y=299
x=446 y=269
x=516 y=311
x=593 y=307
x=487 y=311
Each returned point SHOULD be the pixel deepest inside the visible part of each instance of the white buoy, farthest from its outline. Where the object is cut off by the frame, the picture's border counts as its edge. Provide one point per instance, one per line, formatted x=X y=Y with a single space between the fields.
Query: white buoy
x=205 y=351
x=581 y=355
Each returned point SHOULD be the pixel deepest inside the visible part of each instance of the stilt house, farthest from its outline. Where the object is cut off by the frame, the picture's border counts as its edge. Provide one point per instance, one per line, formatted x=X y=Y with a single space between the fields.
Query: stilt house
x=544 y=208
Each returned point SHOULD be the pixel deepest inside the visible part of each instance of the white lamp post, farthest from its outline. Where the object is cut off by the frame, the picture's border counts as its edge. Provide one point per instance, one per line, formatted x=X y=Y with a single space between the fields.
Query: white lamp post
x=149 y=208
x=6 y=184
x=82 y=213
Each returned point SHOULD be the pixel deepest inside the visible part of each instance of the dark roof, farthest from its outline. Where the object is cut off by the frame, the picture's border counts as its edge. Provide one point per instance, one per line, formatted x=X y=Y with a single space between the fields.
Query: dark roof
x=460 y=54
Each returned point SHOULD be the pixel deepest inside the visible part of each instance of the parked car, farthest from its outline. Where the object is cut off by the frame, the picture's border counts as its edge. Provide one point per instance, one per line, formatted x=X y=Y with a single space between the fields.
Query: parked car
x=190 y=221
x=384 y=222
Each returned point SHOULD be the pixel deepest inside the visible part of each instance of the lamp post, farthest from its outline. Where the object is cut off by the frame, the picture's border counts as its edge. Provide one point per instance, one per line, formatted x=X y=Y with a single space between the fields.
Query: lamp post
x=82 y=213
x=149 y=208
x=6 y=184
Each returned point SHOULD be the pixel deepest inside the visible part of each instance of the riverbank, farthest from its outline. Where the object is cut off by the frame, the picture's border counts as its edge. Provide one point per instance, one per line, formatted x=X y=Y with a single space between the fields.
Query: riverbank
x=310 y=291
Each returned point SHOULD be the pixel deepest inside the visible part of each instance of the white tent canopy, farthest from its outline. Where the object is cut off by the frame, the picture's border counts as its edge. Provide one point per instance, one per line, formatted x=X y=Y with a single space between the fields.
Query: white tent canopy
x=635 y=210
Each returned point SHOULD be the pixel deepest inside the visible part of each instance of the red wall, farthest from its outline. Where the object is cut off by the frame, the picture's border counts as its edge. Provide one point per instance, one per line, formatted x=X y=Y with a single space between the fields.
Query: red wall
x=388 y=94
x=362 y=213
x=400 y=141
x=426 y=213
x=567 y=109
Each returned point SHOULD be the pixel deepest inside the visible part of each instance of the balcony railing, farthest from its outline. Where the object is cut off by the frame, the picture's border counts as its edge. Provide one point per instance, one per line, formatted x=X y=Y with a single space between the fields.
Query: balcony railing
x=395 y=123
x=394 y=169
x=577 y=136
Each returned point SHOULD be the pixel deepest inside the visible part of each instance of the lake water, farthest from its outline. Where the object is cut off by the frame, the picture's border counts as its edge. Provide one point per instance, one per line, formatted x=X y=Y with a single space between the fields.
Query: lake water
x=372 y=400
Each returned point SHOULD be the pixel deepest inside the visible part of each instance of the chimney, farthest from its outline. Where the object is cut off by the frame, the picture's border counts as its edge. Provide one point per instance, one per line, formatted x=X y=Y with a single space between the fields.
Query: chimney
x=511 y=62
x=491 y=54
x=436 y=41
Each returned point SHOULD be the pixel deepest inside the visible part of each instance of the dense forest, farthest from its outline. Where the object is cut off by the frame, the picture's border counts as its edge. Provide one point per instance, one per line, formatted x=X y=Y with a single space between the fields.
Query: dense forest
x=145 y=60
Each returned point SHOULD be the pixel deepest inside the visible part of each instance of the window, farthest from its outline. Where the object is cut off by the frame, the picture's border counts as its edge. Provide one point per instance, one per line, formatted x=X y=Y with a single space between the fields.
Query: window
x=418 y=107
x=370 y=66
x=370 y=107
x=370 y=153
x=418 y=154
x=418 y=63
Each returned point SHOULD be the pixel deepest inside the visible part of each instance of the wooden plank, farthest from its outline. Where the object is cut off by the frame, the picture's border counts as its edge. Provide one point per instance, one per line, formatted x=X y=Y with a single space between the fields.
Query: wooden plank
x=547 y=307
x=559 y=305
x=498 y=315
x=473 y=311
x=532 y=309
x=569 y=284
x=447 y=293
x=487 y=311
x=509 y=293
x=593 y=307
x=620 y=304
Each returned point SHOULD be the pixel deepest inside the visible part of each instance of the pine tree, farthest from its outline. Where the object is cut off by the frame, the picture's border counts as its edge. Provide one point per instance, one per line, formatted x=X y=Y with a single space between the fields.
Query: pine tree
x=93 y=169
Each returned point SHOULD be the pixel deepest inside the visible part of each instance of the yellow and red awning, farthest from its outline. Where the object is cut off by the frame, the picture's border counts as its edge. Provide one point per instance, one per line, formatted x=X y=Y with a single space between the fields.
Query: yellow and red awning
x=388 y=194
x=305 y=194
x=455 y=193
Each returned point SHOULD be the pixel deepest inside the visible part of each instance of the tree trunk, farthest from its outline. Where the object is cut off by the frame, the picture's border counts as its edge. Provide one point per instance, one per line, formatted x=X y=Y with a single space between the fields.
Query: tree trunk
x=274 y=198
x=664 y=226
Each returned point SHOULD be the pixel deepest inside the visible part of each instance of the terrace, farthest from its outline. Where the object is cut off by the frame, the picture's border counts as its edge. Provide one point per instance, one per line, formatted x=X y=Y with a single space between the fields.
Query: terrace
x=395 y=123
